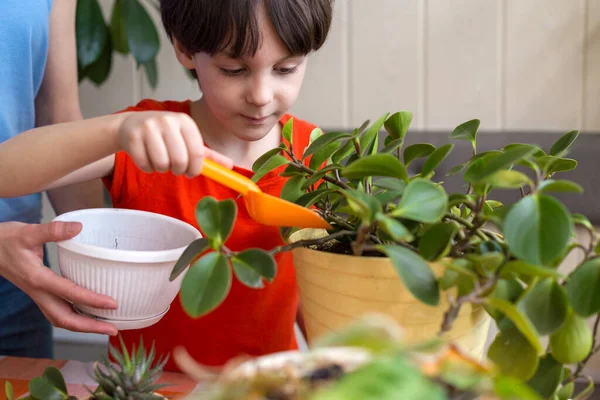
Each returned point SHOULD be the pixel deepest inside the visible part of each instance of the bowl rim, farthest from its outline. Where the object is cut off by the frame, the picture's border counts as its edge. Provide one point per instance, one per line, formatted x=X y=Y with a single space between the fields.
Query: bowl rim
x=132 y=256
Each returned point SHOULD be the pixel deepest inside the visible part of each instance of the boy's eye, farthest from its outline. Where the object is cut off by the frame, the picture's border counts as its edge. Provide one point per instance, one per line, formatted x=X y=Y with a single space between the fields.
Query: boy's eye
x=286 y=71
x=232 y=72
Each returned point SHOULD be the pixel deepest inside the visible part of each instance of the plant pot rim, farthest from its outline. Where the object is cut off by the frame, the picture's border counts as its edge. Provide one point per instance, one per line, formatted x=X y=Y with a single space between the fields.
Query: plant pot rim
x=126 y=256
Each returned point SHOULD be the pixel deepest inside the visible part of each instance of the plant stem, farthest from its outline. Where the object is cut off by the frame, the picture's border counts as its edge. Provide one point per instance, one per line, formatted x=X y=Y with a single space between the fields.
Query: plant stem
x=311 y=242
x=473 y=297
x=327 y=178
x=473 y=228
x=359 y=244
x=339 y=221
x=595 y=349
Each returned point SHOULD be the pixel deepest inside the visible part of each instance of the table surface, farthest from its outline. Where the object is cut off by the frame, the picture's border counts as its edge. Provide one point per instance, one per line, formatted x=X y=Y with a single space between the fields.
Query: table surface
x=77 y=374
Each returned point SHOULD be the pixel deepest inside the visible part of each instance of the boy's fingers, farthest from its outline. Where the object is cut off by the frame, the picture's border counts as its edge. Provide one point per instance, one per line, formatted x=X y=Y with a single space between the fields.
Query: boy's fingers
x=178 y=154
x=218 y=158
x=195 y=147
x=157 y=151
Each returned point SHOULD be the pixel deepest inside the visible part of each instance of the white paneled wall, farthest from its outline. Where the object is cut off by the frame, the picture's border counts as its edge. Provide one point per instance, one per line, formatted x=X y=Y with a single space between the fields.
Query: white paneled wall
x=515 y=64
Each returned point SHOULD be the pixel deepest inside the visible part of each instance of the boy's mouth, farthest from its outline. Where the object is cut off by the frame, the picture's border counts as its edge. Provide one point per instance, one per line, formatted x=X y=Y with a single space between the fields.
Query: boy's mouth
x=255 y=121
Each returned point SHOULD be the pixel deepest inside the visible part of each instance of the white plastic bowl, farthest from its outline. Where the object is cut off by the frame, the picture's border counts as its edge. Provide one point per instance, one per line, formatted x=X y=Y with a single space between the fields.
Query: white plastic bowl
x=128 y=255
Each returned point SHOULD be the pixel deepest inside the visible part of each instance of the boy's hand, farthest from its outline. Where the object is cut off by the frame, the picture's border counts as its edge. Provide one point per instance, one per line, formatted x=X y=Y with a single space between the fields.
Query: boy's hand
x=21 y=263
x=161 y=141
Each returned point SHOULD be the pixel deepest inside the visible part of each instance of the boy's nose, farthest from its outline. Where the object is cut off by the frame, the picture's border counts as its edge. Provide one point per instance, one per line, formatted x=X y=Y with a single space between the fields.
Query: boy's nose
x=260 y=92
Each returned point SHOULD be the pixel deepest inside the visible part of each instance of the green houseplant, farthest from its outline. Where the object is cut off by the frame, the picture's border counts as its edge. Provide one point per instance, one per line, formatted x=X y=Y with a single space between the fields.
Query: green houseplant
x=129 y=30
x=450 y=250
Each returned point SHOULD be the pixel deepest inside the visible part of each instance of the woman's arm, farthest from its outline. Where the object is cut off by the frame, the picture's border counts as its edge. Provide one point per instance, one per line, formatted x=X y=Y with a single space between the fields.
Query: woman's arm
x=58 y=101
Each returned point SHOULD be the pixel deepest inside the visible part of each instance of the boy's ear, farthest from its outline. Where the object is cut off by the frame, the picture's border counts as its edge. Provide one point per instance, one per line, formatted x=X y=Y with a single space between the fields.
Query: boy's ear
x=183 y=56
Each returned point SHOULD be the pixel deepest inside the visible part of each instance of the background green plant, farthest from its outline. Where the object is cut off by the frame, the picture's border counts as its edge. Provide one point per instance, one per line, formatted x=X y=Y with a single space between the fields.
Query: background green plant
x=504 y=257
x=129 y=30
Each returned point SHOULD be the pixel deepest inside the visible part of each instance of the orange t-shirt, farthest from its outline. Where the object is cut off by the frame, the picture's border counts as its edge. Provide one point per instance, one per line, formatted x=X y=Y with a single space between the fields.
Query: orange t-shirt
x=250 y=321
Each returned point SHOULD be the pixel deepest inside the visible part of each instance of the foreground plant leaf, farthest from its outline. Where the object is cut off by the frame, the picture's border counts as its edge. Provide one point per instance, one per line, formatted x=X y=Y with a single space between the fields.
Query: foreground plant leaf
x=206 y=284
x=538 y=229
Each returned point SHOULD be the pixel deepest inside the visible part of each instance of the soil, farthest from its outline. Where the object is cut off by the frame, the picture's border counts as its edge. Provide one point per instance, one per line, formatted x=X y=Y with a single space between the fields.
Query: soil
x=337 y=247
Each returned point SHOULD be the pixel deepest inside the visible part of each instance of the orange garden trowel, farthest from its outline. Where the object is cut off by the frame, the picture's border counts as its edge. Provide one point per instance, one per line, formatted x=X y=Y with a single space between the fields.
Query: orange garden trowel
x=262 y=207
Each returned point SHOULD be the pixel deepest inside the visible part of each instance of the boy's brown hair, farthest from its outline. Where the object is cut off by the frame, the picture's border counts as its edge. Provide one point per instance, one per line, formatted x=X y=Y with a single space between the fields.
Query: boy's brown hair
x=212 y=26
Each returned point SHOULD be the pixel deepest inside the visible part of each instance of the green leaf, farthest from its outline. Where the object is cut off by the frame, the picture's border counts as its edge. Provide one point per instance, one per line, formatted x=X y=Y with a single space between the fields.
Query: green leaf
x=364 y=205
x=8 y=390
x=522 y=268
x=151 y=70
x=292 y=189
x=392 y=145
x=422 y=201
x=324 y=140
x=117 y=29
x=99 y=70
x=583 y=288
x=573 y=341
x=519 y=320
x=390 y=184
x=500 y=162
x=415 y=273
x=388 y=196
x=537 y=151
x=205 y=285
x=508 y=290
x=260 y=161
x=456 y=169
x=383 y=379
x=250 y=266
x=507 y=179
x=563 y=186
x=435 y=242
x=376 y=165
x=216 y=218
x=513 y=389
x=90 y=30
x=580 y=219
x=436 y=158
x=314 y=135
x=287 y=130
x=561 y=145
x=398 y=123
x=566 y=391
x=466 y=131
x=370 y=135
x=259 y=260
x=552 y=164
x=322 y=155
x=514 y=354
x=538 y=229
x=271 y=164
x=418 y=150
x=343 y=153
x=547 y=377
x=317 y=176
x=587 y=392
x=142 y=36
x=487 y=263
x=53 y=376
x=42 y=389
x=311 y=198
x=194 y=249
x=394 y=228
x=546 y=306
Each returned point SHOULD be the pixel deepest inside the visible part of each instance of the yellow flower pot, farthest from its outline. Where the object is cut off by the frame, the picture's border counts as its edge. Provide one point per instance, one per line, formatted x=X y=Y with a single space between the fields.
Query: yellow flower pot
x=336 y=289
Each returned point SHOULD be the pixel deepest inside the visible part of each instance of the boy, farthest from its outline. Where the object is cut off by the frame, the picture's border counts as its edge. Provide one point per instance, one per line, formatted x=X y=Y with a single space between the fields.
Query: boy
x=249 y=57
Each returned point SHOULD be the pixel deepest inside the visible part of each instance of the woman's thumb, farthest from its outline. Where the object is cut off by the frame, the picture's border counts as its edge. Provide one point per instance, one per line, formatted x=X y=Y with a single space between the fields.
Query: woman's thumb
x=57 y=231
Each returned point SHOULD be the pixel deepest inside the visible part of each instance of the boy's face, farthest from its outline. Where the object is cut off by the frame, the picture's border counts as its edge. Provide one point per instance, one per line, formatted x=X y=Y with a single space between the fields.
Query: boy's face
x=248 y=96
